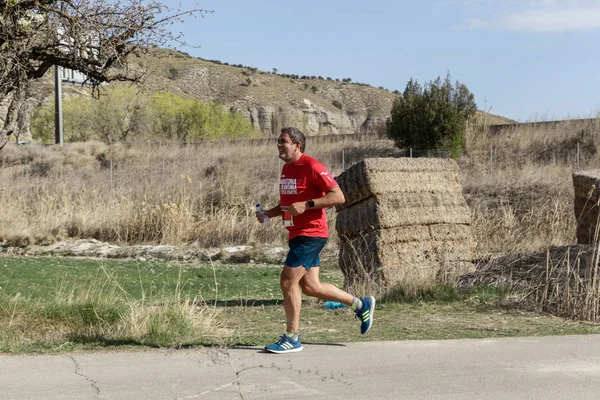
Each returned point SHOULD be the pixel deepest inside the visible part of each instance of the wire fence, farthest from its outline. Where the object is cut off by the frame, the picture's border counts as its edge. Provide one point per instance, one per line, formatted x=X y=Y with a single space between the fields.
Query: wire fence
x=499 y=158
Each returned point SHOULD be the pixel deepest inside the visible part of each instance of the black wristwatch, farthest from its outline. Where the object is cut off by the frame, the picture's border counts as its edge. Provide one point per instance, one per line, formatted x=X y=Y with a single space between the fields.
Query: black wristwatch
x=311 y=203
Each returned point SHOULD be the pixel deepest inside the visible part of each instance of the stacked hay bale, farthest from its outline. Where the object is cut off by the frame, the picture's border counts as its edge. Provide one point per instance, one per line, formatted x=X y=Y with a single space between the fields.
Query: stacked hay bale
x=587 y=198
x=405 y=224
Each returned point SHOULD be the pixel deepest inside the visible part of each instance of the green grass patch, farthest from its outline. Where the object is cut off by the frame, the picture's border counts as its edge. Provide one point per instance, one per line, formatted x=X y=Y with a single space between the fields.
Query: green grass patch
x=447 y=294
x=399 y=321
x=44 y=278
x=57 y=304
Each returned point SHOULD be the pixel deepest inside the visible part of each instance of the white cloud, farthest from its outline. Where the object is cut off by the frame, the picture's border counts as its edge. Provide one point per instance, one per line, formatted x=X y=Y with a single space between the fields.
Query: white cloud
x=533 y=16
x=559 y=20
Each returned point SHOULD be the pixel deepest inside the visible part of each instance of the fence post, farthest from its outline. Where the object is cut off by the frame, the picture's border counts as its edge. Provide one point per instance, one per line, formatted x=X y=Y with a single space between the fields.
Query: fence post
x=411 y=152
x=491 y=159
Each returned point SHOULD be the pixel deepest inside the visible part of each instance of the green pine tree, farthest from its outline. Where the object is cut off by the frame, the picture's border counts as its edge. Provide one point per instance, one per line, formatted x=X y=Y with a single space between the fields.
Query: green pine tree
x=433 y=116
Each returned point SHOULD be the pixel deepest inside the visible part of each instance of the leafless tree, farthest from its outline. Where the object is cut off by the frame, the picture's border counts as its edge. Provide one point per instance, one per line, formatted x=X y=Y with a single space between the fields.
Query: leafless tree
x=96 y=37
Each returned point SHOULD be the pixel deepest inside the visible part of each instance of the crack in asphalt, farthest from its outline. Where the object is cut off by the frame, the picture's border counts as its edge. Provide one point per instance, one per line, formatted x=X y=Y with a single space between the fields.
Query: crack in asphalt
x=92 y=382
x=224 y=356
x=237 y=374
x=226 y=385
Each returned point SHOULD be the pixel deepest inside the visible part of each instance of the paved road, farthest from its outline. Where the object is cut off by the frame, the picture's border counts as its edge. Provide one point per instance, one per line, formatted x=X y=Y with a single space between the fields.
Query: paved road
x=515 y=368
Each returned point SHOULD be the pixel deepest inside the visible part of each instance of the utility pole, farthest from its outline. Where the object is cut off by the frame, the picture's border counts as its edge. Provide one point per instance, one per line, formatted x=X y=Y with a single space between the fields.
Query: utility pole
x=58 y=115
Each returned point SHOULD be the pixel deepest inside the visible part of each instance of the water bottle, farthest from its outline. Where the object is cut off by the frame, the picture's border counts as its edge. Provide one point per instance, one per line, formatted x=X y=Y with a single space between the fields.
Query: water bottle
x=332 y=305
x=262 y=212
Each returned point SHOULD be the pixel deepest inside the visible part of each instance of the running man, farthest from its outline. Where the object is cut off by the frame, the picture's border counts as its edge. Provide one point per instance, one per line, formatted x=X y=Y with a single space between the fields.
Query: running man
x=306 y=189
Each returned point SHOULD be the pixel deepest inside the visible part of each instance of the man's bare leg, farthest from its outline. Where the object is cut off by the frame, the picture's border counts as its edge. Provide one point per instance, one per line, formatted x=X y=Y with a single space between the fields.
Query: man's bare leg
x=363 y=307
x=292 y=297
x=312 y=286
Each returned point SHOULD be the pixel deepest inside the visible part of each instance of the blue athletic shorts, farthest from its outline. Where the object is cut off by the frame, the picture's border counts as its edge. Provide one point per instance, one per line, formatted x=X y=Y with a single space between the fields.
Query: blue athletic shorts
x=304 y=250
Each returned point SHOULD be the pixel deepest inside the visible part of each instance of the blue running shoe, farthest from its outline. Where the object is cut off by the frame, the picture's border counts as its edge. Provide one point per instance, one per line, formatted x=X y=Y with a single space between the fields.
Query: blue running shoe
x=285 y=344
x=366 y=313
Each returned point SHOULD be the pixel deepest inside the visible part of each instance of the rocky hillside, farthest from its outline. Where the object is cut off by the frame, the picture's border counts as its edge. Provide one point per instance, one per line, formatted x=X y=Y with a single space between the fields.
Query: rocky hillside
x=270 y=101
x=317 y=105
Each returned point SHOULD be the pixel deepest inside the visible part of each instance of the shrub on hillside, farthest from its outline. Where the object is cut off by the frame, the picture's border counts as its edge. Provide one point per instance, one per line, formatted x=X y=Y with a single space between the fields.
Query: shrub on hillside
x=187 y=119
x=433 y=116
x=173 y=73
x=119 y=114
x=123 y=114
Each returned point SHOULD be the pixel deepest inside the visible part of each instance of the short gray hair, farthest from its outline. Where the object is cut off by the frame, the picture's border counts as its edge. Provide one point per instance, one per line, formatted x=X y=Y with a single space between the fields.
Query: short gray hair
x=296 y=136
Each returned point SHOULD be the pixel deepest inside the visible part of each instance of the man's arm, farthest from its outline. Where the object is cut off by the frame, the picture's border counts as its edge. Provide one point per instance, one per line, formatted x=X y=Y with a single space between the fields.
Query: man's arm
x=332 y=198
x=275 y=211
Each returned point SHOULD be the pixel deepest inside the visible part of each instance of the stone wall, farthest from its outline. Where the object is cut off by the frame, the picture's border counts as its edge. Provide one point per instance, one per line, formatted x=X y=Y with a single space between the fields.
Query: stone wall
x=587 y=198
x=405 y=223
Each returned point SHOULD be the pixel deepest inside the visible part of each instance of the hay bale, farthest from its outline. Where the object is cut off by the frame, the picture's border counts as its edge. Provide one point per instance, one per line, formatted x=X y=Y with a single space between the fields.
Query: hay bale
x=405 y=223
x=458 y=232
x=403 y=209
x=409 y=264
x=586 y=204
x=376 y=176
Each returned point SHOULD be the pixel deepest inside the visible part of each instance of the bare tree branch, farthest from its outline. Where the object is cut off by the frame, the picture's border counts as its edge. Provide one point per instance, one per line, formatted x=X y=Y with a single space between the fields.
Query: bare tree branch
x=95 y=37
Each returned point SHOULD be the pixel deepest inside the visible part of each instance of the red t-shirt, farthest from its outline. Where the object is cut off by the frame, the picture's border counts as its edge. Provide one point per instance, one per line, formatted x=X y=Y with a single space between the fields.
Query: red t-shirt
x=304 y=180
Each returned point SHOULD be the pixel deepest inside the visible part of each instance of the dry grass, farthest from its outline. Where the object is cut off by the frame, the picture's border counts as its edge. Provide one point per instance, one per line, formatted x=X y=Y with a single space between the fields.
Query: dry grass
x=571 y=287
x=204 y=195
x=523 y=214
x=525 y=201
x=163 y=194
x=102 y=312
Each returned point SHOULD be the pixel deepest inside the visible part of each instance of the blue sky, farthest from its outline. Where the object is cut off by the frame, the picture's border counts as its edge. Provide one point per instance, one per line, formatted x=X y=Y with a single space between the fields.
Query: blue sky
x=522 y=59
